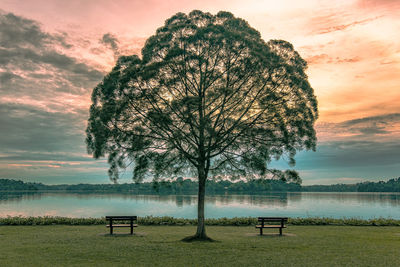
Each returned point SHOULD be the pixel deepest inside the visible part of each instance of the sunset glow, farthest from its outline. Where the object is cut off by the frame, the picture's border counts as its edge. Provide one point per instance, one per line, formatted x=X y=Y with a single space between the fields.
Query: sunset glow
x=53 y=53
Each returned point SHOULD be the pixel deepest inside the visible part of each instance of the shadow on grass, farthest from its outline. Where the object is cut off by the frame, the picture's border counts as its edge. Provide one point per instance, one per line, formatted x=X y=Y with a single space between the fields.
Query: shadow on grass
x=190 y=239
x=122 y=234
x=269 y=235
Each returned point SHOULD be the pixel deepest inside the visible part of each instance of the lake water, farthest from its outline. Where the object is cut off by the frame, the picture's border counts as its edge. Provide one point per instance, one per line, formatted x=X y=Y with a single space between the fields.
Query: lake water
x=306 y=204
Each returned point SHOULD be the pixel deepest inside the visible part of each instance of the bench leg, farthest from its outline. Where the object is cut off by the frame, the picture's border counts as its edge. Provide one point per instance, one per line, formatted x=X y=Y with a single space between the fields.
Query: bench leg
x=131 y=226
x=261 y=231
x=280 y=231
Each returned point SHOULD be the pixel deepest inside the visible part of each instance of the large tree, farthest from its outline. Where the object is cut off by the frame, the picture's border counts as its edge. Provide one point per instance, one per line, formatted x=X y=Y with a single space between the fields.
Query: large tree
x=208 y=98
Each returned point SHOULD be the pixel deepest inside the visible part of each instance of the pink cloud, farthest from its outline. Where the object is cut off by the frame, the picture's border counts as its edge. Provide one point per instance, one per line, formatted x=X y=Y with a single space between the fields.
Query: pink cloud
x=324 y=59
x=341 y=27
x=44 y=164
x=52 y=166
x=390 y=5
x=19 y=165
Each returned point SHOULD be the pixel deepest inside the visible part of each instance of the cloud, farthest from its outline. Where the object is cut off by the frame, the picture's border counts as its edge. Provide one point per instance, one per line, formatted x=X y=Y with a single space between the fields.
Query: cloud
x=326 y=59
x=366 y=147
x=390 y=5
x=36 y=63
x=112 y=42
x=383 y=127
x=44 y=101
x=341 y=27
x=372 y=125
x=22 y=32
x=45 y=84
x=118 y=46
x=36 y=143
x=350 y=158
x=7 y=78
x=29 y=128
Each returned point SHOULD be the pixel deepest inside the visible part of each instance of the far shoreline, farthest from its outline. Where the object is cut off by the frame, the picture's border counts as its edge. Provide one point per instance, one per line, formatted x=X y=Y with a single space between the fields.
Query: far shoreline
x=188 y=186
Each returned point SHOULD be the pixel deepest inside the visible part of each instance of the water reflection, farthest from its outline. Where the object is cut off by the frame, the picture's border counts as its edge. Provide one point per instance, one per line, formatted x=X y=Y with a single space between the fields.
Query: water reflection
x=18 y=196
x=363 y=205
x=185 y=200
x=360 y=197
x=272 y=199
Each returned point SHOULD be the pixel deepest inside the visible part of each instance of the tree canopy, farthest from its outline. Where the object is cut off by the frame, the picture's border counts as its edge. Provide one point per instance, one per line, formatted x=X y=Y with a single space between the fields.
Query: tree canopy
x=208 y=96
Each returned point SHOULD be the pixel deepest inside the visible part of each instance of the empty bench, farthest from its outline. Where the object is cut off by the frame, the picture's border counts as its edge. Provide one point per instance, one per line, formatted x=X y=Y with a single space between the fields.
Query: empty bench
x=111 y=220
x=265 y=222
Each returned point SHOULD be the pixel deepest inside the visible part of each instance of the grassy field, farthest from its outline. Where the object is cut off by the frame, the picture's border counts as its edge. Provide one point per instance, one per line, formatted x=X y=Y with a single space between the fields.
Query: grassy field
x=59 y=245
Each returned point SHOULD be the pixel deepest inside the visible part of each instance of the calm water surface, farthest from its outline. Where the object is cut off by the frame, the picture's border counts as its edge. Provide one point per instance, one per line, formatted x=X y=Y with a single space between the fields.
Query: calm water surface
x=306 y=204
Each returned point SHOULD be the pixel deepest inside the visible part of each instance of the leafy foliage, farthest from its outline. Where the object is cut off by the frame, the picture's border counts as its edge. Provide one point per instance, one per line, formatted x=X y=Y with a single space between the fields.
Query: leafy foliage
x=207 y=96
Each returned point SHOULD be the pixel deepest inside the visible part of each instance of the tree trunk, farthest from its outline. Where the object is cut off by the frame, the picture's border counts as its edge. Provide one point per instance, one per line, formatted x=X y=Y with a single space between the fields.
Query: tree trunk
x=201 y=230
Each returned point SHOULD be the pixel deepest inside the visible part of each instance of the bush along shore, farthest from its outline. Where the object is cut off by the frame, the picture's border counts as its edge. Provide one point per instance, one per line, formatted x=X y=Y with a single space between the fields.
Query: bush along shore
x=237 y=221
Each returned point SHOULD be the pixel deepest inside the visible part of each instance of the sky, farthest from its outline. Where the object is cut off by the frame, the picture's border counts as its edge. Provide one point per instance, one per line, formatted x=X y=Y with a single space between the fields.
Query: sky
x=53 y=53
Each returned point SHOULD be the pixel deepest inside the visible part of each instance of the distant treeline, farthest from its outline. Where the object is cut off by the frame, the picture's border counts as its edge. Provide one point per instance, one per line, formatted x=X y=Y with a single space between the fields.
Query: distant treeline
x=187 y=186
x=180 y=186
x=16 y=185
x=392 y=185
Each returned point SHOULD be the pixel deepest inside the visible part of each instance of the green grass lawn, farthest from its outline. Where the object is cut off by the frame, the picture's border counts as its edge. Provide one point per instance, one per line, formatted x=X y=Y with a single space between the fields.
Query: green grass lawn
x=235 y=246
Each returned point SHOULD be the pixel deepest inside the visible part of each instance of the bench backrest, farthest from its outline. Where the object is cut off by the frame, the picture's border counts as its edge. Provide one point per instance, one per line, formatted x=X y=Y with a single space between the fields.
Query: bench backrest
x=121 y=217
x=281 y=220
x=272 y=219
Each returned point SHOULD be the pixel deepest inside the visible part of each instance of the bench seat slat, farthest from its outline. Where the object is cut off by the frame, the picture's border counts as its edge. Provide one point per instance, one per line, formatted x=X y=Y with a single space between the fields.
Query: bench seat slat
x=270 y=226
x=122 y=225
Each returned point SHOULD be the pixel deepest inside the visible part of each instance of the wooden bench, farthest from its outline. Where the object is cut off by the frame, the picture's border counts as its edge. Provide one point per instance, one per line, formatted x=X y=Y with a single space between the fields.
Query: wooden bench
x=263 y=220
x=111 y=219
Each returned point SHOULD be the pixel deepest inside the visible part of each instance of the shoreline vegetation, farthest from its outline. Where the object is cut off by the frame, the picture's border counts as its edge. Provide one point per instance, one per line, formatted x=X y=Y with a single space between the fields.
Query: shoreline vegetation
x=187 y=186
x=171 y=221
